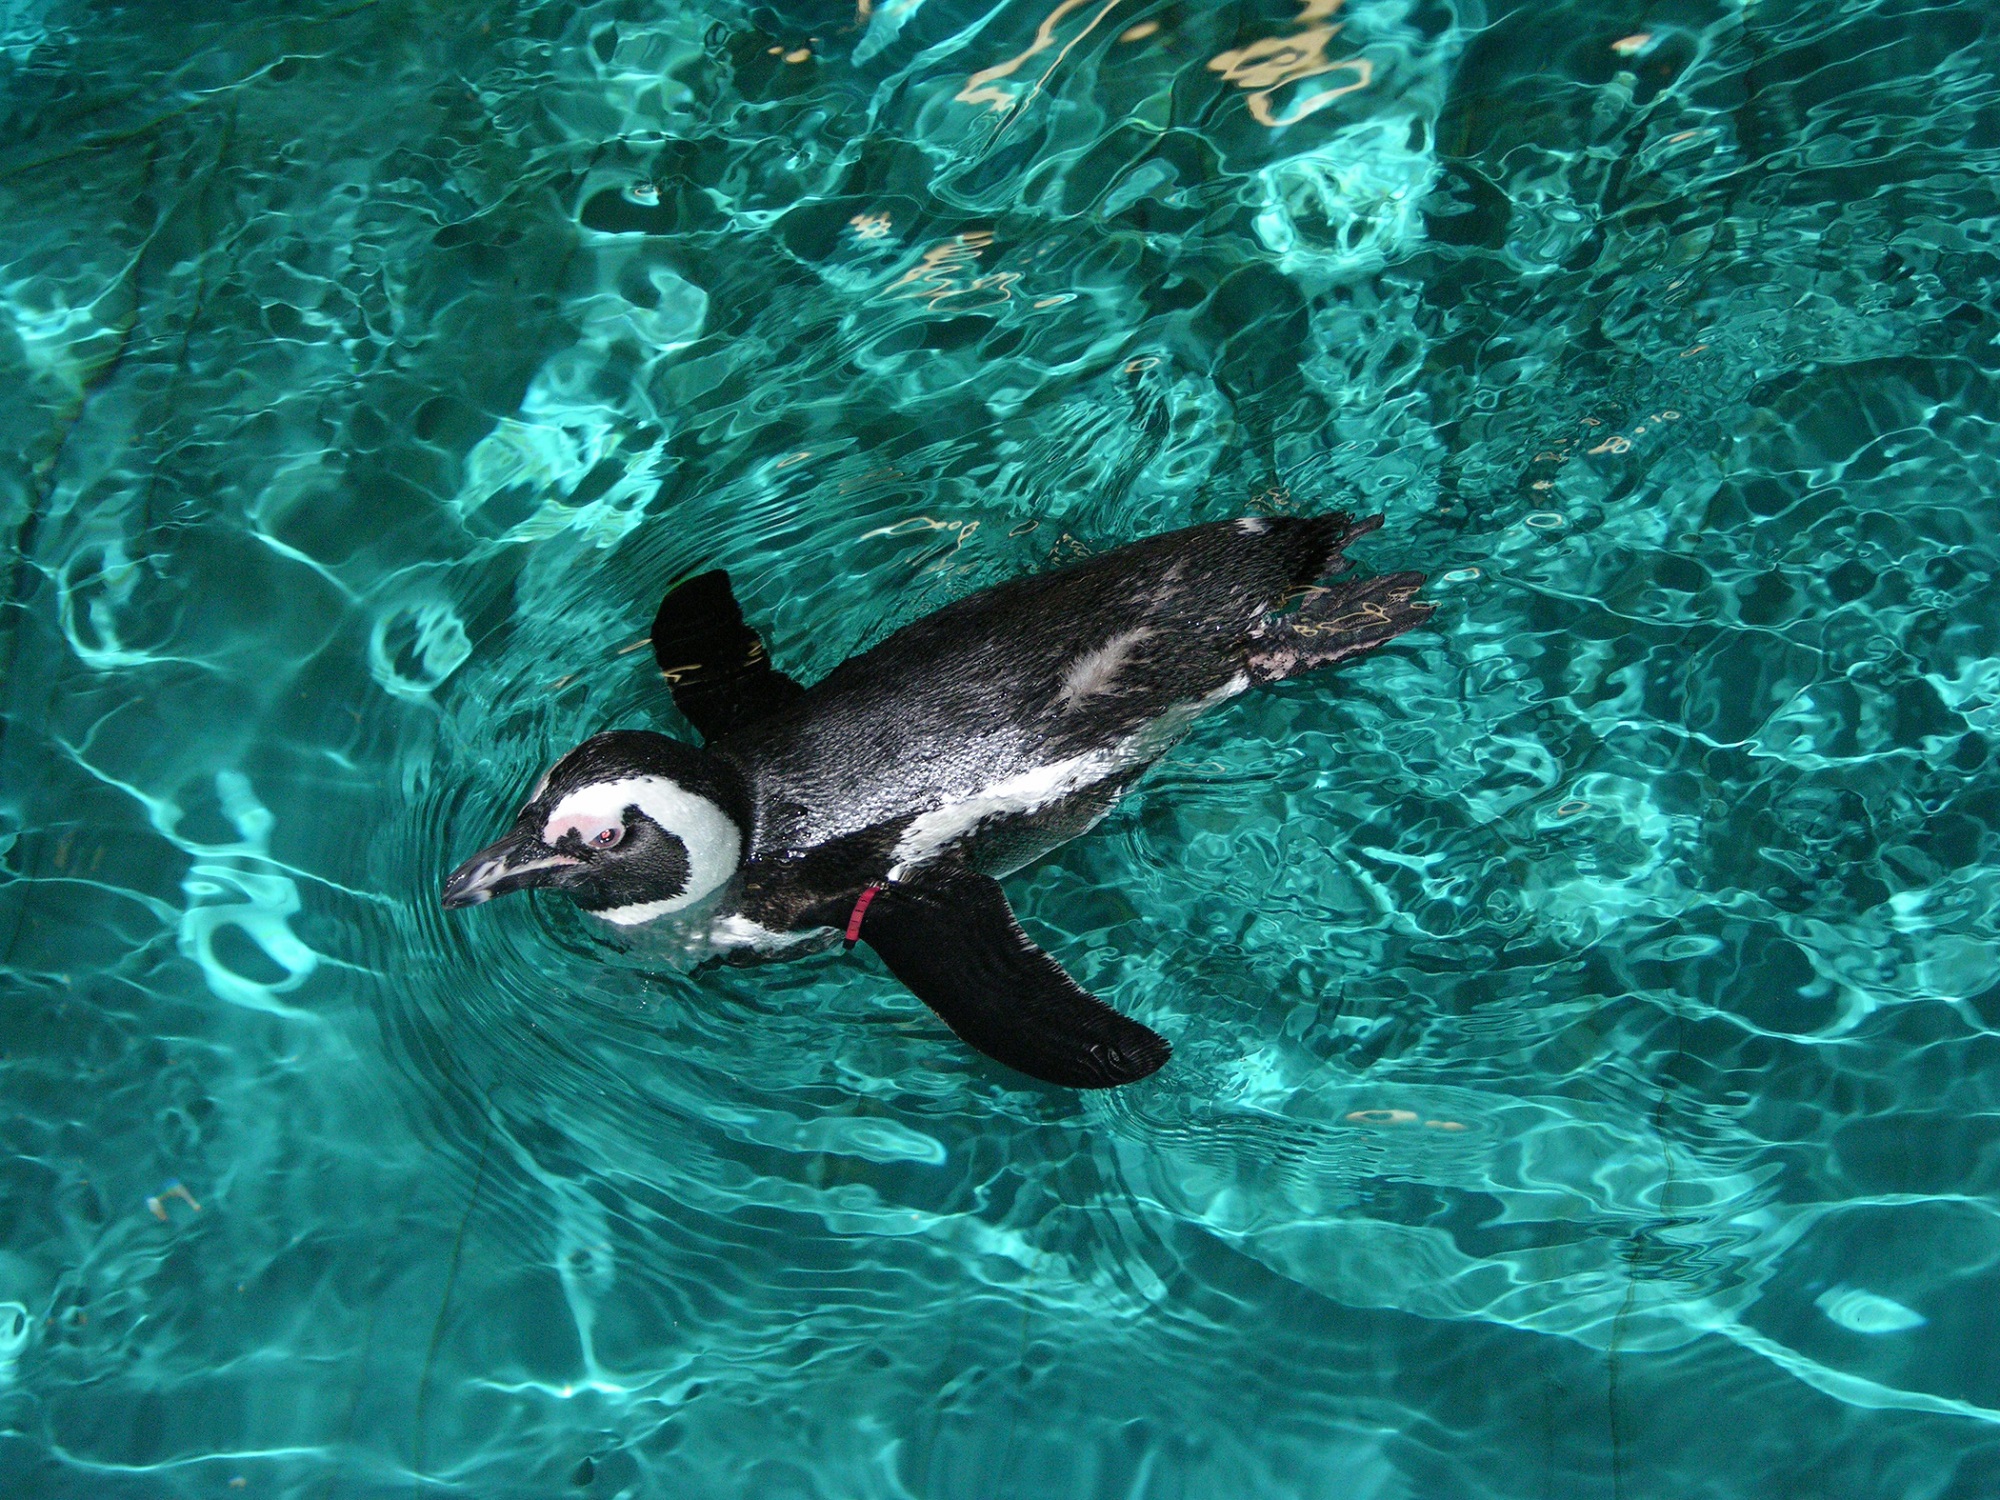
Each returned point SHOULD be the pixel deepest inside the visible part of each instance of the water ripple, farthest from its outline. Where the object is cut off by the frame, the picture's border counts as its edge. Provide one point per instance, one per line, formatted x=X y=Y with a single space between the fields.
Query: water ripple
x=1584 y=1013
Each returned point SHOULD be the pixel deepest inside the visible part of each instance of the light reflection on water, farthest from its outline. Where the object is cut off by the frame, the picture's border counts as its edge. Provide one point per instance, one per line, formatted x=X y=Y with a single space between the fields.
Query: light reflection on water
x=1584 y=1011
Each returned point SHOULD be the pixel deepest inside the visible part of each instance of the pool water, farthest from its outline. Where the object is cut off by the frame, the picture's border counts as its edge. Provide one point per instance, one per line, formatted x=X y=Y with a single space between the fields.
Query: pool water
x=1586 y=1077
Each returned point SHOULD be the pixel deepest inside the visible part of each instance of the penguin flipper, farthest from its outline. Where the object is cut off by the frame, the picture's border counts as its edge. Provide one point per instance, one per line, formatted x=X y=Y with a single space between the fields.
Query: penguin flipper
x=720 y=673
x=949 y=935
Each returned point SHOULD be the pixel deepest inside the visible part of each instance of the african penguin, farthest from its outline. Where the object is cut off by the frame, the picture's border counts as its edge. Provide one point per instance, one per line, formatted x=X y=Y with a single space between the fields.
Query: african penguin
x=880 y=804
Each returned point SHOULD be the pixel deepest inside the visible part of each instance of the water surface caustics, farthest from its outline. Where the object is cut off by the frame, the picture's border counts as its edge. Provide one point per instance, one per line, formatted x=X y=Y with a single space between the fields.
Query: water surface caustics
x=1585 y=1080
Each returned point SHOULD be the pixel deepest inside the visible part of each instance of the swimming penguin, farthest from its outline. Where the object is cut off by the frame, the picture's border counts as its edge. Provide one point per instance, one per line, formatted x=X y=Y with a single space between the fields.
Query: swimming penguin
x=880 y=804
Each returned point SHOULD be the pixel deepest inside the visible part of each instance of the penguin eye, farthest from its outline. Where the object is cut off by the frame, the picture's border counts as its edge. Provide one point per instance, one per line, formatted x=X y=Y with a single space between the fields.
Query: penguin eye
x=609 y=838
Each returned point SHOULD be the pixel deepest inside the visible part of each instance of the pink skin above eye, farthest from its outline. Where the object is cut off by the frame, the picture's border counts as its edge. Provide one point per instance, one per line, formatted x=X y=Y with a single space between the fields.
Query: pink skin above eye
x=596 y=833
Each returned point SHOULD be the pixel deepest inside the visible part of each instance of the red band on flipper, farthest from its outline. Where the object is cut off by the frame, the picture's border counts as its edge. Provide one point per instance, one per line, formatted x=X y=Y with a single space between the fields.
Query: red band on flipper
x=860 y=911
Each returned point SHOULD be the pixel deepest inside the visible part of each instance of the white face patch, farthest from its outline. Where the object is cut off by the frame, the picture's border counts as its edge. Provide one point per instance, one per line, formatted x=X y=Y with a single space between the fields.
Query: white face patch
x=714 y=843
x=1253 y=525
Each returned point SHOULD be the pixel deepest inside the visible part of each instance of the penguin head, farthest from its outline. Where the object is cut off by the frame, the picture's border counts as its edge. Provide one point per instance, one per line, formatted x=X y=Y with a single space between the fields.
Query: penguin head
x=630 y=825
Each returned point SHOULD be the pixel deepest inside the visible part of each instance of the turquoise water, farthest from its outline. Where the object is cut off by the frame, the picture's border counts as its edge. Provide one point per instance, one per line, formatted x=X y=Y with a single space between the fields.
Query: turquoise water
x=1586 y=1079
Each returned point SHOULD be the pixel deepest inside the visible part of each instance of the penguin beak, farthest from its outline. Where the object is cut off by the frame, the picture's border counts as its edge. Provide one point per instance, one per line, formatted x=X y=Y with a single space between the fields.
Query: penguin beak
x=518 y=861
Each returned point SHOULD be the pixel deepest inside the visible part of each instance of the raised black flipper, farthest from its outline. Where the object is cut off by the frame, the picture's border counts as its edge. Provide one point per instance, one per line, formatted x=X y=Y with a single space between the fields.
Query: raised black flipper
x=949 y=935
x=721 y=675
x=1338 y=620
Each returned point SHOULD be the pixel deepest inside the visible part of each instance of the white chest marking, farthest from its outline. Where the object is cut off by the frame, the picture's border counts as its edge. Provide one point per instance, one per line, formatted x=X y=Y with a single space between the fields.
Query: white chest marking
x=1030 y=791
x=931 y=831
x=714 y=845
x=741 y=932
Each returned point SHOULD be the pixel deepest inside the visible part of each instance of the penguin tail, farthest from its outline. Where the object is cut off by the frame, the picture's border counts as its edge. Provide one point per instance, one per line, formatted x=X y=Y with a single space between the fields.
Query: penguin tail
x=1335 y=622
x=1326 y=539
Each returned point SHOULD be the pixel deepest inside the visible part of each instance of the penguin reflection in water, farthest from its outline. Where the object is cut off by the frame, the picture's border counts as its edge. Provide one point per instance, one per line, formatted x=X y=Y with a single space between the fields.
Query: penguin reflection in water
x=880 y=804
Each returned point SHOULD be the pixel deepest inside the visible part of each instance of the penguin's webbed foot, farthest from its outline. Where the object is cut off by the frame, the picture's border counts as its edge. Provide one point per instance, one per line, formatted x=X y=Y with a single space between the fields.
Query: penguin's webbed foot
x=1338 y=620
